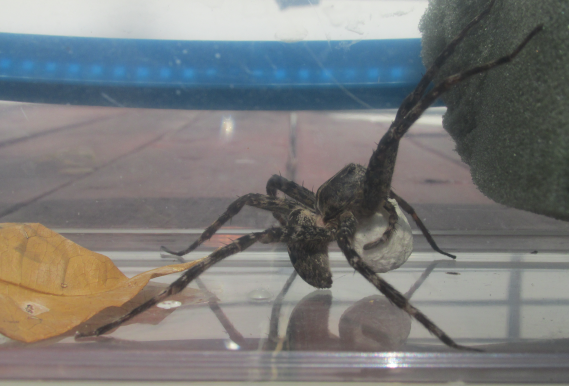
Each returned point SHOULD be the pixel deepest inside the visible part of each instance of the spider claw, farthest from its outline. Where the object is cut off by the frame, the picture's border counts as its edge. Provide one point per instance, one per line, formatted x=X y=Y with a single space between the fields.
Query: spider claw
x=448 y=254
x=171 y=251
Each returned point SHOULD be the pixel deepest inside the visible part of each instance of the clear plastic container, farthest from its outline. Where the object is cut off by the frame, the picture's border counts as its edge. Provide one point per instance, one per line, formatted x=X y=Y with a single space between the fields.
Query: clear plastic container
x=124 y=181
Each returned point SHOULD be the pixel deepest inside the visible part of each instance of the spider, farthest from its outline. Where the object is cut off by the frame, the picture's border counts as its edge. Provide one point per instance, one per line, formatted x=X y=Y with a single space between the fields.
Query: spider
x=309 y=222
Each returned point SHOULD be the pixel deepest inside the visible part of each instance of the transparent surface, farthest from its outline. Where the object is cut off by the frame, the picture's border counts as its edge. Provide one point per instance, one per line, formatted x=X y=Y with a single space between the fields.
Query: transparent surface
x=125 y=181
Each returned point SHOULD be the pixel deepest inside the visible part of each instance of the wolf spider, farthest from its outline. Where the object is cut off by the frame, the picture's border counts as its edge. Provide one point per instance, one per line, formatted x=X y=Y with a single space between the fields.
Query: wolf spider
x=309 y=222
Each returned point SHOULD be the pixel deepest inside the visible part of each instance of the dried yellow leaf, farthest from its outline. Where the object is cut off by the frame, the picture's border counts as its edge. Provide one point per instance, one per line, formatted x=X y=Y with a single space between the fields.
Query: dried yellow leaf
x=49 y=284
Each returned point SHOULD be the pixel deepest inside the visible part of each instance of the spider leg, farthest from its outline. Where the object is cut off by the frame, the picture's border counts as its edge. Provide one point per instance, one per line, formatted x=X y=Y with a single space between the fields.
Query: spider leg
x=381 y=164
x=268 y=236
x=392 y=221
x=396 y=132
x=345 y=237
x=409 y=209
x=411 y=99
x=273 y=204
x=291 y=189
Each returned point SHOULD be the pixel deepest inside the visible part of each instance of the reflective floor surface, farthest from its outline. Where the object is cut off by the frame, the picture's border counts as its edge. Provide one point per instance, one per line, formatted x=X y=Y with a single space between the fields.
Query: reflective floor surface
x=124 y=182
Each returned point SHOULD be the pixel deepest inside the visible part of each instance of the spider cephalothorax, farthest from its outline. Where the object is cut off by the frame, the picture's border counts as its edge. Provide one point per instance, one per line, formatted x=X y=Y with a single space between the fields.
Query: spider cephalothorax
x=354 y=196
x=343 y=192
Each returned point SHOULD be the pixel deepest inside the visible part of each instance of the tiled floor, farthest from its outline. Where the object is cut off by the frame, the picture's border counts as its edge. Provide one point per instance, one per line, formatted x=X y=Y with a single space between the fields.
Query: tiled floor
x=92 y=167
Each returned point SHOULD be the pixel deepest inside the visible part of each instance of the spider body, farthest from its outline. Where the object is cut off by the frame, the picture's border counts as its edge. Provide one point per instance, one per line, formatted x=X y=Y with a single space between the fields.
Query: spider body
x=314 y=228
x=355 y=195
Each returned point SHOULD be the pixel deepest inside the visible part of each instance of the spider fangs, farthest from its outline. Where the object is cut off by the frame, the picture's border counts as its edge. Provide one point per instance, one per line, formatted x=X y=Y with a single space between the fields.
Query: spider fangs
x=308 y=222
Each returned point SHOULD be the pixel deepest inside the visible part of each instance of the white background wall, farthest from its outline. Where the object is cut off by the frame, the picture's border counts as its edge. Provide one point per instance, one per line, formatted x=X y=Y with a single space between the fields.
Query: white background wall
x=214 y=19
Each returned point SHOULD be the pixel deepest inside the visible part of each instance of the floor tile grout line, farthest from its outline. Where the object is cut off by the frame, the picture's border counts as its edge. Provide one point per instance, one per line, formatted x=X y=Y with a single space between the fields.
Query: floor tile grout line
x=32 y=200
x=70 y=126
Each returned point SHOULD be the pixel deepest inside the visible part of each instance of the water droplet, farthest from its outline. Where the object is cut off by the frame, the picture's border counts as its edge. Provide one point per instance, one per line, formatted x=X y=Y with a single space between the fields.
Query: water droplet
x=260 y=295
x=168 y=304
x=231 y=345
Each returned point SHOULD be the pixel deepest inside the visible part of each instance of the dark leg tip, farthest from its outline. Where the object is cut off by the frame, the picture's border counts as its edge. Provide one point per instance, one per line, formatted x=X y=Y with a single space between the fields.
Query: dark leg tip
x=444 y=253
x=171 y=252
x=449 y=255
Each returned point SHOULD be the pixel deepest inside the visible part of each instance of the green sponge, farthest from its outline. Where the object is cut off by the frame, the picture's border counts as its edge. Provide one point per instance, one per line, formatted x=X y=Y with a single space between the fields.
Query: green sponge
x=511 y=124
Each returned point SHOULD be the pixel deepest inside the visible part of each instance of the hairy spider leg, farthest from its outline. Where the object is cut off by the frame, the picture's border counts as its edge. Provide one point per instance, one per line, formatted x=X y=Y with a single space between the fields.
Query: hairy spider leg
x=273 y=204
x=409 y=209
x=396 y=132
x=345 y=237
x=291 y=189
x=271 y=235
x=411 y=99
x=380 y=169
x=388 y=232
x=381 y=166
